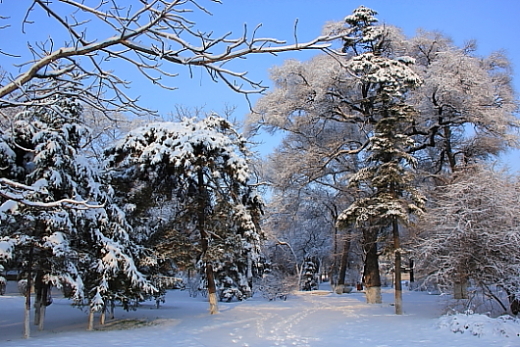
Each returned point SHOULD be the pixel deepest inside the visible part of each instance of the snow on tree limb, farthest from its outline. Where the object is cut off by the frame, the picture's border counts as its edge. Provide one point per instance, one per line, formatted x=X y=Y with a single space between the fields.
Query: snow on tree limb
x=154 y=37
x=20 y=195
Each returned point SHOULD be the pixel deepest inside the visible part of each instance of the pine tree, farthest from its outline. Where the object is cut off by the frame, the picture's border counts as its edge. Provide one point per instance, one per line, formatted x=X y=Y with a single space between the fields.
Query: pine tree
x=329 y=108
x=81 y=247
x=310 y=273
x=199 y=171
x=387 y=178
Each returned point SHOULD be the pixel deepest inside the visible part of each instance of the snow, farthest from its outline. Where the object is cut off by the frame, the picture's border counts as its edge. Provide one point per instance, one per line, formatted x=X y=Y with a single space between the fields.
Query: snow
x=9 y=206
x=319 y=318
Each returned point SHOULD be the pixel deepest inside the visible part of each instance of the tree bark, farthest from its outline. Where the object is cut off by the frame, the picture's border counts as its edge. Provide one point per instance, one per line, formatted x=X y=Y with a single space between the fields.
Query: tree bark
x=343 y=266
x=334 y=268
x=249 y=271
x=27 y=313
x=40 y=302
x=210 y=276
x=38 y=287
x=460 y=288
x=43 y=308
x=412 y=274
x=398 y=290
x=371 y=275
x=212 y=289
x=103 y=315
x=90 y=319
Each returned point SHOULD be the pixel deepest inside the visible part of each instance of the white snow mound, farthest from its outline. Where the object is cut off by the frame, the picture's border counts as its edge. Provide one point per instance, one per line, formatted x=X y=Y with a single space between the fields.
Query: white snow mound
x=481 y=325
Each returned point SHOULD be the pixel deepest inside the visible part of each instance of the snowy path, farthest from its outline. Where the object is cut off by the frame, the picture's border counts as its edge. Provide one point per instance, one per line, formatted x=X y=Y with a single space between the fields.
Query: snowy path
x=312 y=319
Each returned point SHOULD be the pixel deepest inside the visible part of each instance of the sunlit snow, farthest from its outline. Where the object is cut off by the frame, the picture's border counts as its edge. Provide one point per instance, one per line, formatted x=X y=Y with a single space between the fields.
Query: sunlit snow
x=305 y=319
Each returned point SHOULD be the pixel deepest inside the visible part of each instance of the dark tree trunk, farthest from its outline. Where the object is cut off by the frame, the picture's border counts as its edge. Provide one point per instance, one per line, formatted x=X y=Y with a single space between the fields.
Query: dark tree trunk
x=41 y=290
x=343 y=265
x=371 y=275
x=412 y=274
x=333 y=274
x=398 y=290
x=210 y=276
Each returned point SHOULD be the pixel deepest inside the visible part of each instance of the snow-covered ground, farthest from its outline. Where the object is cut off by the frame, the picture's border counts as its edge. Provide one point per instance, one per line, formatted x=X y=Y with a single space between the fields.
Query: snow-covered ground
x=319 y=318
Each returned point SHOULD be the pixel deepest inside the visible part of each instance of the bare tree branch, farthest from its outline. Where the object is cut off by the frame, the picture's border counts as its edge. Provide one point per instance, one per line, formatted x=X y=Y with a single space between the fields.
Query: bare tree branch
x=155 y=37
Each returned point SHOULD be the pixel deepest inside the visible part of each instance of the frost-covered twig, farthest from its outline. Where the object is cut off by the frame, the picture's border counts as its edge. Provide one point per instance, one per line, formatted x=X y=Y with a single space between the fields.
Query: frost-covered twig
x=155 y=37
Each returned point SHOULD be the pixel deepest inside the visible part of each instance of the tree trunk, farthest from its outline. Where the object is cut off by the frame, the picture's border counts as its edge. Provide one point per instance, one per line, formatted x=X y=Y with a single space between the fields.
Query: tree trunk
x=398 y=290
x=412 y=274
x=371 y=275
x=43 y=308
x=41 y=290
x=343 y=266
x=42 y=299
x=460 y=288
x=38 y=287
x=103 y=315
x=210 y=276
x=44 y=302
x=448 y=149
x=27 y=313
x=249 y=271
x=334 y=268
x=212 y=289
x=90 y=319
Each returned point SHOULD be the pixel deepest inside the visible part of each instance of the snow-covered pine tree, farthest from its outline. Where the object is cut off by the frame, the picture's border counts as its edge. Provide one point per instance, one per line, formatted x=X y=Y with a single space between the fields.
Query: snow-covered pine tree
x=82 y=247
x=189 y=180
x=387 y=178
x=318 y=95
x=236 y=266
x=310 y=273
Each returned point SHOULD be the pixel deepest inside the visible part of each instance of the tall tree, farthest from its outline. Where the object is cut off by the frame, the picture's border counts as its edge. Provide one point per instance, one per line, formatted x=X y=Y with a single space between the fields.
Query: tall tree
x=57 y=240
x=386 y=180
x=470 y=233
x=467 y=104
x=364 y=95
x=155 y=38
x=200 y=170
x=459 y=92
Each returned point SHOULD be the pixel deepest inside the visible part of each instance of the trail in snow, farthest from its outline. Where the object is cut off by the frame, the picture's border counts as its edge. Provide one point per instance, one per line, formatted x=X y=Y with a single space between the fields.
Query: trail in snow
x=306 y=319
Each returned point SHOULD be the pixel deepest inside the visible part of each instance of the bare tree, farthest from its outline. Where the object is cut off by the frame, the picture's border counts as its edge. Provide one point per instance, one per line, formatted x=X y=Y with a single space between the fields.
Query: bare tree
x=154 y=37
x=470 y=234
x=463 y=111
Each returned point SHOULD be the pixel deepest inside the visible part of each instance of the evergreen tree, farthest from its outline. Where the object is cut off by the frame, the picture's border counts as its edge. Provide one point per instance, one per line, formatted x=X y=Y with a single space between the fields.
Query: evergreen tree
x=199 y=172
x=310 y=273
x=386 y=181
x=83 y=247
x=459 y=91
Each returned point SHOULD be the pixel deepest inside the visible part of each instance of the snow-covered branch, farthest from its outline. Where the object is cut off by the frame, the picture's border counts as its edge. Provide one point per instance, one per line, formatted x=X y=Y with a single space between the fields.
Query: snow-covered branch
x=18 y=192
x=154 y=36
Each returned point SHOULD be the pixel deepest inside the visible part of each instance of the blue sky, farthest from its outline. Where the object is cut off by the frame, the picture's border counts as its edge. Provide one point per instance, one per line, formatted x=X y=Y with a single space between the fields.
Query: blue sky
x=494 y=24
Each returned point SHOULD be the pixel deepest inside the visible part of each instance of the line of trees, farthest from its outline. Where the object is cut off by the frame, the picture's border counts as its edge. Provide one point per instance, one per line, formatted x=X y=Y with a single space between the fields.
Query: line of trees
x=381 y=135
x=102 y=212
x=371 y=135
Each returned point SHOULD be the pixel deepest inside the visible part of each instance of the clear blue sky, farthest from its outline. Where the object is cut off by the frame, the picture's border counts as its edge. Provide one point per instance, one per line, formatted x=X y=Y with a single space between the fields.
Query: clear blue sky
x=495 y=24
